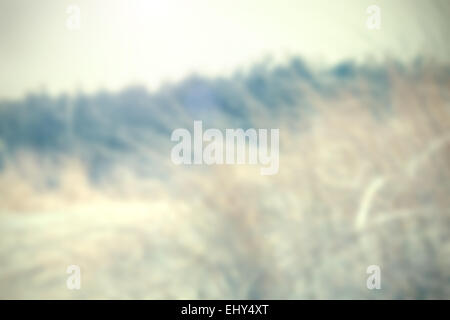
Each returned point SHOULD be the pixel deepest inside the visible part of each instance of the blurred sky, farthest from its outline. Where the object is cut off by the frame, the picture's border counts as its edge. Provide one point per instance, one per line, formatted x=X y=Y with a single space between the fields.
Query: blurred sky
x=150 y=42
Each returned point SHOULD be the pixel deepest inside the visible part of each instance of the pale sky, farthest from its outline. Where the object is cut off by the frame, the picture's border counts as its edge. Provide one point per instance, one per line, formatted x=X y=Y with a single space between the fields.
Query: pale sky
x=128 y=42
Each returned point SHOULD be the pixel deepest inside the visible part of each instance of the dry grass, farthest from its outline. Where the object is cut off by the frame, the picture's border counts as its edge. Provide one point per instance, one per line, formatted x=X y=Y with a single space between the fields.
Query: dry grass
x=354 y=189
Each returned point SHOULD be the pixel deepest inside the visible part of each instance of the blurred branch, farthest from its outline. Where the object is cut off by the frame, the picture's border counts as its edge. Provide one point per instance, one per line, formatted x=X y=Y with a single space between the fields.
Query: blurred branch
x=415 y=163
x=366 y=203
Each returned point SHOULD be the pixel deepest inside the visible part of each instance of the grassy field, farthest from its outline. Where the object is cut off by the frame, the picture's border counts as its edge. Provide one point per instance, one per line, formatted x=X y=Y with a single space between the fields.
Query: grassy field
x=364 y=180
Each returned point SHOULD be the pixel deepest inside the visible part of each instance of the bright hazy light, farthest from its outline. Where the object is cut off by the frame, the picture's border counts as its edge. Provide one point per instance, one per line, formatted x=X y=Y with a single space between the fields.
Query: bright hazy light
x=151 y=42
